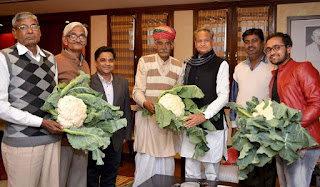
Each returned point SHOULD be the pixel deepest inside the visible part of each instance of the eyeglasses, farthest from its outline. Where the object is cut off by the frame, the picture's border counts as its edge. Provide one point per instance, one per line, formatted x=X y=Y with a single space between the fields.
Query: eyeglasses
x=74 y=37
x=26 y=27
x=274 y=48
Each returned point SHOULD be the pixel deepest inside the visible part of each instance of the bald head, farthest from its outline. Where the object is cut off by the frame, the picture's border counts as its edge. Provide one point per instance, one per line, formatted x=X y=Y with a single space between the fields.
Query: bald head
x=316 y=36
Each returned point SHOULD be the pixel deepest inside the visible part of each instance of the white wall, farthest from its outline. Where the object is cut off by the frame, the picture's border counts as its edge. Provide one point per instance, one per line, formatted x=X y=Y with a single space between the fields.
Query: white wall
x=98 y=33
x=183 y=44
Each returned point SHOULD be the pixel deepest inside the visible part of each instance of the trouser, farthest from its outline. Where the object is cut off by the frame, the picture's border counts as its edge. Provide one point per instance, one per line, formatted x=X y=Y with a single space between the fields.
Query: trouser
x=32 y=166
x=107 y=172
x=298 y=174
x=73 y=167
x=147 y=166
x=261 y=176
x=193 y=169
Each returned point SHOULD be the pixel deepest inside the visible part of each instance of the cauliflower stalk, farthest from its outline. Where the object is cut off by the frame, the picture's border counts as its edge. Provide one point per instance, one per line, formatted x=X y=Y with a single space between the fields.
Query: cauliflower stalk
x=173 y=103
x=268 y=129
x=71 y=111
x=265 y=109
x=88 y=120
x=172 y=108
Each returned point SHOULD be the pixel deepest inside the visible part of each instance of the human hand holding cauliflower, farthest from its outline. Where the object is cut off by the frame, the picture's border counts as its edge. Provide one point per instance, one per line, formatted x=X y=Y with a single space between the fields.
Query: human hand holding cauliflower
x=149 y=106
x=174 y=106
x=88 y=120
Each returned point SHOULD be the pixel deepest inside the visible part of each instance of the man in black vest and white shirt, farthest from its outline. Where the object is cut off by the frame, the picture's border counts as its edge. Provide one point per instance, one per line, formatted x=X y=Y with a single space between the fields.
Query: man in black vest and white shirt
x=28 y=74
x=211 y=74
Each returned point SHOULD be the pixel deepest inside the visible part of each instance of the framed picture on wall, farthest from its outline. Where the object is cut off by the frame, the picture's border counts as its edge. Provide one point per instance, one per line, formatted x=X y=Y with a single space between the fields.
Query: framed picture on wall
x=305 y=35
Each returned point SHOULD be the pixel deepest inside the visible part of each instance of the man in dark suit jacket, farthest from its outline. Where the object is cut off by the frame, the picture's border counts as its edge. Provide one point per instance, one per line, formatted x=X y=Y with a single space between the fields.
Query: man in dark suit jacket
x=116 y=92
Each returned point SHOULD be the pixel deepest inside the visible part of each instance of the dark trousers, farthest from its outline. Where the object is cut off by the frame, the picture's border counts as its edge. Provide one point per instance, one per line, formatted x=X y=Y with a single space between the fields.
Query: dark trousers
x=261 y=177
x=107 y=172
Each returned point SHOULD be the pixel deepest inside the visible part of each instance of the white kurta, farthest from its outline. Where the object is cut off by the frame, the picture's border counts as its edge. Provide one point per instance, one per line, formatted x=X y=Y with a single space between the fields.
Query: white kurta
x=217 y=142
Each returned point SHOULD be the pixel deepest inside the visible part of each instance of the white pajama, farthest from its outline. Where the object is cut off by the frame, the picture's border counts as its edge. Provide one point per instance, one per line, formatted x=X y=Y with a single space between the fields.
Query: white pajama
x=147 y=166
x=193 y=169
x=217 y=142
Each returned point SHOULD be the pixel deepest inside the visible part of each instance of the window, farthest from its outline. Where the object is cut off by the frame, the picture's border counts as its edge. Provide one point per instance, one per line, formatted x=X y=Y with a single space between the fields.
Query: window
x=217 y=21
x=122 y=34
x=148 y=23
x=253 y=17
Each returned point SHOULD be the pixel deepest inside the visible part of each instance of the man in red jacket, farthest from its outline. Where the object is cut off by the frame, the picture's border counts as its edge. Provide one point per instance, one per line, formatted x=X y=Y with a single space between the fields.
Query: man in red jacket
x=296 y=84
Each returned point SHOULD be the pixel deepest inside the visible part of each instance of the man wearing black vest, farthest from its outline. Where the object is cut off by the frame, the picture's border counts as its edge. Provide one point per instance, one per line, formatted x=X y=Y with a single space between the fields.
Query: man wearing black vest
x=211 y=74
x=28 y=74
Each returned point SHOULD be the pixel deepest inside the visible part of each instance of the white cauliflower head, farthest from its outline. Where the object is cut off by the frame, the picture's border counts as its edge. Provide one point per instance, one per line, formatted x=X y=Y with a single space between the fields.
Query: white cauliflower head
x=267 y=112
x=173 y=103
x=71 y=111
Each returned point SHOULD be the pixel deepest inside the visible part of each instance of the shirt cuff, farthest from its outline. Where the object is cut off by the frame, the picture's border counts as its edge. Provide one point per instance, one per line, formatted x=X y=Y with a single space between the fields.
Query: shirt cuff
x=206 y=115
x=234 y=124
x=35 y=121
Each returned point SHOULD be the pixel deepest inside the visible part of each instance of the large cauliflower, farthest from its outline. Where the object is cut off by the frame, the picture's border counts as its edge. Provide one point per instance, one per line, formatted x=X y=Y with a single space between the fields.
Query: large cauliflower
x=71 y=111
x=173 y=103
x=267 y=112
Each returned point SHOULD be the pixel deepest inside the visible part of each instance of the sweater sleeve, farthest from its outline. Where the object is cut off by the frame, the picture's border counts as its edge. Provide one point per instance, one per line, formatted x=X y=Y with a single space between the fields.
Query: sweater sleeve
x=139 y=89
x=7 y=112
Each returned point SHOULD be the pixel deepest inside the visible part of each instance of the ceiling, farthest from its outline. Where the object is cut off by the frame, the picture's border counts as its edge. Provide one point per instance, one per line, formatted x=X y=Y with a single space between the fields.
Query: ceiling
x=10 y=7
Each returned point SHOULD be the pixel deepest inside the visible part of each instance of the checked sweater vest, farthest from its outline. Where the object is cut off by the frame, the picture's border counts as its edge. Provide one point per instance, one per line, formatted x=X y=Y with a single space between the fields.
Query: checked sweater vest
x=31 y=82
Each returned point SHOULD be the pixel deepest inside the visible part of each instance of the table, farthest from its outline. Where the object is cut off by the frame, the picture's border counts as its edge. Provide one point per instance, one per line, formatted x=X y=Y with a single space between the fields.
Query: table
x=168 y=181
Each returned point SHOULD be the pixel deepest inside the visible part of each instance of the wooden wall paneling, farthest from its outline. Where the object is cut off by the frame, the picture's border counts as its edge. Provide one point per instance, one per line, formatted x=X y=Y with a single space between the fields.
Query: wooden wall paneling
x=195 y=24
x=232 y=41
x=51 y=34
x=272 y=18
x=137 y=41
x=84 y=17
x=109 y=33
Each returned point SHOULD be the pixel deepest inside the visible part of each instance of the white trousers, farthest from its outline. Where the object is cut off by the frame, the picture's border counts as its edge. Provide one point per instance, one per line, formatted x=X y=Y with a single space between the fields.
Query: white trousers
x=32 y=166
x=73 y=167
x=193 y=169
x=147 y=166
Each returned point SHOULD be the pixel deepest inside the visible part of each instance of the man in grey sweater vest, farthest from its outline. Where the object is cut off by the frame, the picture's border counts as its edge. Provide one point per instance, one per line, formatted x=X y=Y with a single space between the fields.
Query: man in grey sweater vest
x=28 y=74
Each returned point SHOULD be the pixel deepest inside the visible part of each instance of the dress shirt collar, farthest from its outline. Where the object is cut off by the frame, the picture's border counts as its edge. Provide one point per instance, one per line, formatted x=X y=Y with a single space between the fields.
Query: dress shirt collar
x=23 y=50
x=264 y=59
x=103 y=80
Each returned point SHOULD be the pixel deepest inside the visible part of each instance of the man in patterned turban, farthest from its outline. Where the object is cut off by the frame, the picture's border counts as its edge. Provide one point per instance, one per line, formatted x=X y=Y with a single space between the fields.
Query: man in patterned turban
x=156 y=73
x=164 y=32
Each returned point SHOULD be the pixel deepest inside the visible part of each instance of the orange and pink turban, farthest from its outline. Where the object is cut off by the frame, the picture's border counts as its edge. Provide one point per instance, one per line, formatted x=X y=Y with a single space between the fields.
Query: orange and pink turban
x=164 y=32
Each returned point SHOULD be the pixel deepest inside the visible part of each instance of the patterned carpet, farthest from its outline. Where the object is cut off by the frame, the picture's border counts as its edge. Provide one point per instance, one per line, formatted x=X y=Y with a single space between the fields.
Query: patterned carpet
x=124 y=181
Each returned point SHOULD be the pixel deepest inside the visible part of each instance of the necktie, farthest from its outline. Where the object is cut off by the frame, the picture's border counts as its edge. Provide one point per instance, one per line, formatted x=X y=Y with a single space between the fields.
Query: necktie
x=275 y=95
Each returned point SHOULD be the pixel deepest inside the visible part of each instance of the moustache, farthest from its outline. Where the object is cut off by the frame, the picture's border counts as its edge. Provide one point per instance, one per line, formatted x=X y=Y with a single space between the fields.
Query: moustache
x=80 y=43
x=164 y=51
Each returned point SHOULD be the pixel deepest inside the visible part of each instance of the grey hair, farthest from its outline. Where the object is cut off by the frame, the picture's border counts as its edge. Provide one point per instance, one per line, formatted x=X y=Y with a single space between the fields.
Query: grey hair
x=203 y=29
x=72 y=25
x=21 y=16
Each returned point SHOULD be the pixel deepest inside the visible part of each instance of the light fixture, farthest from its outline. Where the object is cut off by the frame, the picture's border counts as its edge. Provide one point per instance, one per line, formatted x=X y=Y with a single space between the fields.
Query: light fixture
x=67 y=22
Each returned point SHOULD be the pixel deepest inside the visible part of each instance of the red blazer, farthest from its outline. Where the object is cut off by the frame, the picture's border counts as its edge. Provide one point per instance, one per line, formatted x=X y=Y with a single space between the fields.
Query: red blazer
x=299 y=88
